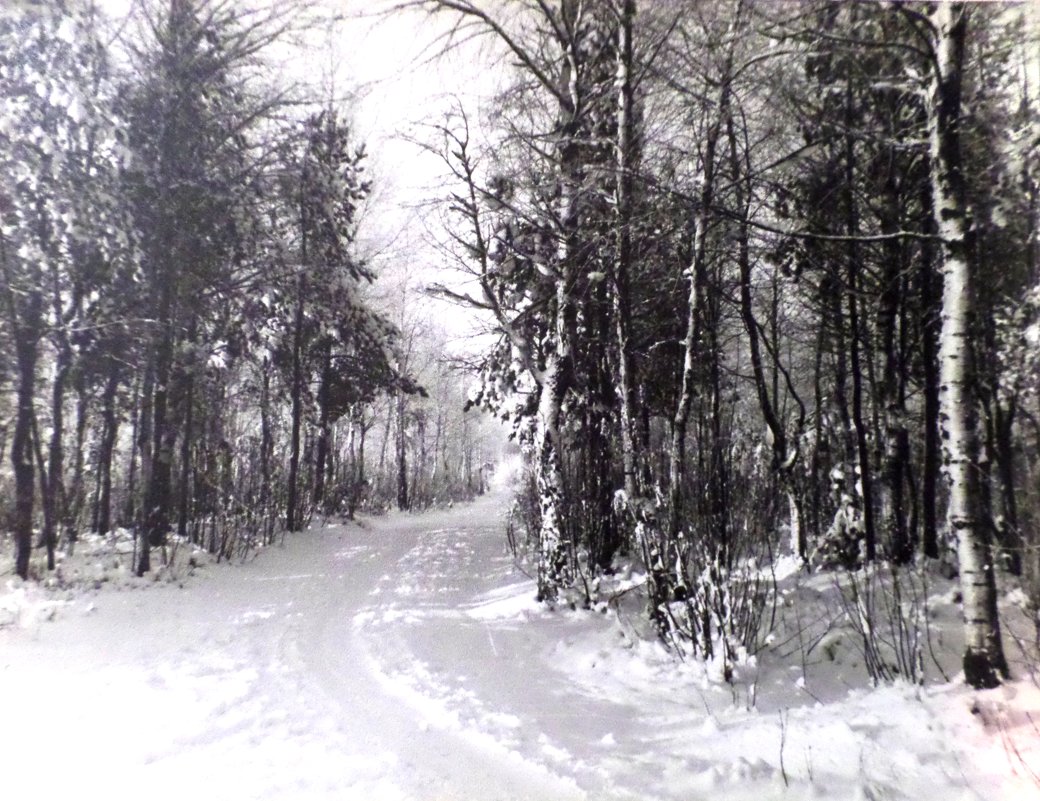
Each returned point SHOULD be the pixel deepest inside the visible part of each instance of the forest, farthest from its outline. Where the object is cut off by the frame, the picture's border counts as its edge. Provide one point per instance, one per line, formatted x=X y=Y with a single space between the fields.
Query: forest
x=766 y=280
x=761 y=282
x=193 y=346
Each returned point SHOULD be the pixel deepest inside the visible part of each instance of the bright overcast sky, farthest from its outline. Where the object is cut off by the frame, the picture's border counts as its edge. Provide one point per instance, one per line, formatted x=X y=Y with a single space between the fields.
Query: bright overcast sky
x=403 y=86
x=404 y=83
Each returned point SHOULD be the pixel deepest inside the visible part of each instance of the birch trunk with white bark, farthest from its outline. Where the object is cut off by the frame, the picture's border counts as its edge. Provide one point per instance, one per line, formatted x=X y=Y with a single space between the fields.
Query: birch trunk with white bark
x=552 y=560
x=623 y=243
x=984 y=661
x=640 y=501
x=552 y=556
x=698 y=286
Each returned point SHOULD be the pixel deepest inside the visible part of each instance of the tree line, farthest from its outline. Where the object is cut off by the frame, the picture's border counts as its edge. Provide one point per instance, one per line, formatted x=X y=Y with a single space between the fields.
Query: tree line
x=765 y=278
x=192 y=343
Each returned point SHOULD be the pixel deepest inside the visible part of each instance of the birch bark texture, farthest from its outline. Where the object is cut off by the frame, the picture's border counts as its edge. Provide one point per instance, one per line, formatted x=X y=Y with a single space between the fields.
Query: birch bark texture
x=984 y=661
x=552 y=558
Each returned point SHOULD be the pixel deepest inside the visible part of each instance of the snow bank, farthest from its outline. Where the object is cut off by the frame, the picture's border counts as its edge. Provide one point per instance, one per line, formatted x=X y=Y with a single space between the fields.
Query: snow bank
x=407 y=659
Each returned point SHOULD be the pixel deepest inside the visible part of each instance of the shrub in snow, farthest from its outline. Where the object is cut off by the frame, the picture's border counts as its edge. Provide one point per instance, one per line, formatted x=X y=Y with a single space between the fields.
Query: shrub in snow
x=719 y=616
x=887 y=608
x=841 y=545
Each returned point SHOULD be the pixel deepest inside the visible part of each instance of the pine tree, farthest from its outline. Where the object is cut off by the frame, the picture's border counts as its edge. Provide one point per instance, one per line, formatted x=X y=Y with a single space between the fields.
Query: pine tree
x=62 y=153
x=190 y=119
x=336 y=349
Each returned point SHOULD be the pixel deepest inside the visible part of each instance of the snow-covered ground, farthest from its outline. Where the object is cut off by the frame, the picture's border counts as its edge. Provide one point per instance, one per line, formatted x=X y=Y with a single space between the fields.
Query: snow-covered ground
x=405 y=658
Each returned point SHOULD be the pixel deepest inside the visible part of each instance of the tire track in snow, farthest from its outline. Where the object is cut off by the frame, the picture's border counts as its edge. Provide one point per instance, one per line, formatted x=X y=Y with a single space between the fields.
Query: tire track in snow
x=368 y=678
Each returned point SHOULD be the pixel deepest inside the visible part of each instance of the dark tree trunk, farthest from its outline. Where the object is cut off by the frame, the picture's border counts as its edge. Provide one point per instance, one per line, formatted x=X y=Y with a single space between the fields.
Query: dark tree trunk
x=1008 y=532
x=361 y=453
x=853 y=268
x=266 y=439
x=106 y=450
x=420 y=496
x=819 y=462
x=382 y=480
x=54 y=499
x=603 y=533
x=357 y=467
x=859 y=424
x=931 y=299
x=158 y=492
x=141 y=451
x=694 y=315
x=896 y=455
x=76 y=497
x=293 y=520
x=402 y=456
x=187 y=442
x=785 y=452
x=321 y=451
x=834 y=288
x=27 y=323
x=718 y=506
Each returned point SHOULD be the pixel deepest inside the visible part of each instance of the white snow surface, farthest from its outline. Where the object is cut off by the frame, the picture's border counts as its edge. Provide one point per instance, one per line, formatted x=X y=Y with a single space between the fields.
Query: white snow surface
x=405 y=658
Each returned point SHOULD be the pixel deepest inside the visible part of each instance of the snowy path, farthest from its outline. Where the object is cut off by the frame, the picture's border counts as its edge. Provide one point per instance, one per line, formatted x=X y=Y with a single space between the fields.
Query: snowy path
x=261 y=681
x=405 y=659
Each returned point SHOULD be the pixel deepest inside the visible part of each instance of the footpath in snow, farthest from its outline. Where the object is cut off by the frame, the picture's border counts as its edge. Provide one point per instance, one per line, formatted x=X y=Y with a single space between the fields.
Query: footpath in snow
x=405 y=658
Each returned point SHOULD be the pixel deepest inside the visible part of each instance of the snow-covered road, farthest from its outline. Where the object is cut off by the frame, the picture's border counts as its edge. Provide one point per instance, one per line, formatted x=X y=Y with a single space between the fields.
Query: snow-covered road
x=282 y=678
x=405 y=658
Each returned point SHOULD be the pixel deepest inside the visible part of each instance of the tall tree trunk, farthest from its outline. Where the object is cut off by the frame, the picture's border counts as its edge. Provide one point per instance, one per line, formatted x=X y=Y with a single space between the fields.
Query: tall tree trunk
x=158 y=479
x=820 y=459
x=26 y=319
x=864 y=473
x=895 y=459
x=77 y=494
x=640 y=503
x=1008 y=532
x=55 y=497
x=718 y=506
x=785 y=453
x=834 y=289
x=293 y=521
x=552 y=560
x=402 y=454
x=419 y=492
x=158 y=487
x=381 y=471
x=698 y=275
x=626 y=388
x=864 y=484
x=356 y=479
x=106 y=451
x=438 y=432
x=321 y=453
x=363 y=431
x=187 y=442
x=266 y=438
x=931 y=323
x=140 y=456
x=552 y=556
x=21 y=454
x=984 y=661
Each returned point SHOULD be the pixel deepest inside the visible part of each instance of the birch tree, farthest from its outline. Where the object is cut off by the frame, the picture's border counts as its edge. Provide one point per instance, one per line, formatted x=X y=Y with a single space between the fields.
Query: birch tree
x=984 y=661
x=556 y=57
